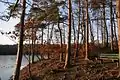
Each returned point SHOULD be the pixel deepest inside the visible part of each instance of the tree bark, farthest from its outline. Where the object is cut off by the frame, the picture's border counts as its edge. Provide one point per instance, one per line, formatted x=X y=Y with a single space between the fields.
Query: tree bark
x=97 y=33
x=111 y=21
x=91 y=31
x=73 y=26
x=51 y=33
x=115 y=32
x=20 y=45
x=61 y=45
x=102 y=31
x=78 y=32
x=48 y=33
x=105 y=27
x=87 y=32
x=64 y=34
x=118 y=23
x=67 y=60
x=32 y=46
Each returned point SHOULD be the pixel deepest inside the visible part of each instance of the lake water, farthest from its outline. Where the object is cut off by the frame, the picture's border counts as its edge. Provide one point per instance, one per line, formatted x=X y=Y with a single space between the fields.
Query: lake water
x=7 y=65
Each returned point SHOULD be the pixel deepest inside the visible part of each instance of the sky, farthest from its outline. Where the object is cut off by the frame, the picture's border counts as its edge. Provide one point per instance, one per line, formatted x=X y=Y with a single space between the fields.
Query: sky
x=6 y=27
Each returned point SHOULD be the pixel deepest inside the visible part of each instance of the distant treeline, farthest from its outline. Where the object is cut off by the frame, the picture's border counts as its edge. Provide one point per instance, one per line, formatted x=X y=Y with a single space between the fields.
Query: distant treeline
x=8 y=49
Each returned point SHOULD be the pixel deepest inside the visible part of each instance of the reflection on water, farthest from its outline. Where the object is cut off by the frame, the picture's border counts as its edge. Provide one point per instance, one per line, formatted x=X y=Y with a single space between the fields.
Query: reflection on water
x=7 y=64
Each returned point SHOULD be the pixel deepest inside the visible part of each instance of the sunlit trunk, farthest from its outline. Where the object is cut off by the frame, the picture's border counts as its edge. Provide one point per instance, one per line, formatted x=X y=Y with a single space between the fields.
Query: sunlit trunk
x=118 y=23
x=87 y=32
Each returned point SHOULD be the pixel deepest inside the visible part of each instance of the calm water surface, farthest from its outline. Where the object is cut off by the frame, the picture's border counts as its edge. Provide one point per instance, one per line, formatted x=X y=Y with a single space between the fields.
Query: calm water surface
x=7 y=65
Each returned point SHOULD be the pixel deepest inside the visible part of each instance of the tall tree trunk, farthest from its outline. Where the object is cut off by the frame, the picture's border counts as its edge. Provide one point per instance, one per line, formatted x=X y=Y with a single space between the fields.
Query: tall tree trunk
x=29 y=53
x=118 y=23
x=87 y=32
x=115 y=32
x=105 y=27
x=73 y=26
x=20 y=45
x=91 y=31
x=48 y=41
x=78 y=32
x=61 y=45
x=64 y=33
x=32 y=49
x=67 y=60
x=82 y=41
x=111 y=25
x=97 y=33
x=83 y=27
x=102 y=31
x=51 y=33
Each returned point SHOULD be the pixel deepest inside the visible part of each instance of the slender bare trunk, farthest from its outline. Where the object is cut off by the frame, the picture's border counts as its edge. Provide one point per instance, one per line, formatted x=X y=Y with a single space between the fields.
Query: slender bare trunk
x=105 y=27
x=118 y=23
x=83 y=27
x=51 y=33
x=87 y=32
x=91 y=31
x=78 y=32
x=73 y=26
x=32 y=49
x=115 y=32
x=48 y=34
x=102 y=31
x=64 y=33
x=67 y=60
x=111 y=21
x=97 y=33
x=29 y=56
x=61 y=45
x=20 y=45
x=74 y=34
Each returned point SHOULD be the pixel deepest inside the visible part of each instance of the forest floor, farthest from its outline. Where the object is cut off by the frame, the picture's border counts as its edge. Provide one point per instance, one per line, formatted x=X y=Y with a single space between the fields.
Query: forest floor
x=81 y=70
